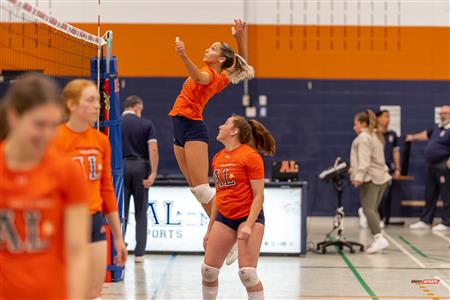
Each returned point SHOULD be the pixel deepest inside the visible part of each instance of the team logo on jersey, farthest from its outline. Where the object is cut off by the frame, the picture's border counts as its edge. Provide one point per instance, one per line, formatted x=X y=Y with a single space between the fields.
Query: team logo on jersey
x=10 y=238
x=227 y=179
x=93 y=171
x=391 y=138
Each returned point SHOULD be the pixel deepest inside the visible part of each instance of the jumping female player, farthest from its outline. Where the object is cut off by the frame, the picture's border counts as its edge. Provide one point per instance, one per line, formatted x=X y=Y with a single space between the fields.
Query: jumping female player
x=92 y=150
x=237 y=212
x=190 y=132
x=43 y=201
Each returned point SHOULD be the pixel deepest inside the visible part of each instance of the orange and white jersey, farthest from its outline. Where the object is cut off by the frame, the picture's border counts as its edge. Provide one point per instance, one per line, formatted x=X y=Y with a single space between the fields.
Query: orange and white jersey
x=32 y=243
x=193 y=97
x=92 y=151
x=232 y=173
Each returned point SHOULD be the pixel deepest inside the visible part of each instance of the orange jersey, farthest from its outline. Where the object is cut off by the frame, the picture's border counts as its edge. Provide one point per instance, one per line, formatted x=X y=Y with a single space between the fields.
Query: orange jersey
x=232 y=173
x=92 y=150
x=32 y=207
x=193 y=97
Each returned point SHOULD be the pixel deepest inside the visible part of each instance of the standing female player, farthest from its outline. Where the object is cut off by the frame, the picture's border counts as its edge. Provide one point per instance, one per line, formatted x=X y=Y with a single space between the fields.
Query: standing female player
x=369 y=173
x=43 y=202
x=190 y=132
x=237 y=212
x=92 y=150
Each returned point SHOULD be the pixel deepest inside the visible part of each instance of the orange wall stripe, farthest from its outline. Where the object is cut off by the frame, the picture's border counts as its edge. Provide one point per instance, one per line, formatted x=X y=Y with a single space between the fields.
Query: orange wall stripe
x=334 y=52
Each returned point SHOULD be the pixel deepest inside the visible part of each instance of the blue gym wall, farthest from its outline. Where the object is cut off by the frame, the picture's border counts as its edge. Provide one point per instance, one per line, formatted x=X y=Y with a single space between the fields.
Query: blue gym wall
x=312 y=126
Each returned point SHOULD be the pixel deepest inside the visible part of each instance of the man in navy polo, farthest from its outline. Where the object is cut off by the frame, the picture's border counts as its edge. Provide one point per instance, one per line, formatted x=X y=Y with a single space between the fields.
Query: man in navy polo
x=140 y=153
x=437 y=154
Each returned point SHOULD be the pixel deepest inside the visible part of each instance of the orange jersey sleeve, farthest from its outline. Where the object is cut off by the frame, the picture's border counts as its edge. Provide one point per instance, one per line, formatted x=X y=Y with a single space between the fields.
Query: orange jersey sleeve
x=232 y=173
x=255 y=166
x=107 y=193
x=32 y=241
x=193 y=97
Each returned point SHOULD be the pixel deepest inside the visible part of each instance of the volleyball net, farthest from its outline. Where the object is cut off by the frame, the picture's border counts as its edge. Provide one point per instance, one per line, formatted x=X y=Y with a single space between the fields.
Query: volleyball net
x=32 y=39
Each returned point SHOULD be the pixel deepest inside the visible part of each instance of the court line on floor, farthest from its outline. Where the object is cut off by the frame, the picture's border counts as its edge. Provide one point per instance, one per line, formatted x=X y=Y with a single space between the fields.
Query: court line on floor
x=418 y=262
x=420 y=252
x=442 y=236
x=368 y=297
x=372 y=268
x=355 y=272
x=306 y=296
x=163 y=280
x=442 y=282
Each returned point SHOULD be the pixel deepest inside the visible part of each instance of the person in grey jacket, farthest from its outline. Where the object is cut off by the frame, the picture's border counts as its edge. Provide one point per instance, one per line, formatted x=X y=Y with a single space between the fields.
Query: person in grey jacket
x=369 y=173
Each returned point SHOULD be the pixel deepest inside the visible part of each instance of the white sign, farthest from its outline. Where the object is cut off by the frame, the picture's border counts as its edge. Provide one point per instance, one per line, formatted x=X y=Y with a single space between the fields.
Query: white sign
x=395 y=112
x=437 y=117
x=177 y=222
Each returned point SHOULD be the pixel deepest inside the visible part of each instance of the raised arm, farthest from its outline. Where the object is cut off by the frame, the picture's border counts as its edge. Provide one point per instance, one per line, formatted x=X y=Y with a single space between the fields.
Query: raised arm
x=239 y=31
x=196 y=74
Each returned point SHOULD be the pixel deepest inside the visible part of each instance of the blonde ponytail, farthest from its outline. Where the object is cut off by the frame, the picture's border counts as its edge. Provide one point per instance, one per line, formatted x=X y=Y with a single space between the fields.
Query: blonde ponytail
x=369 y=118
x=240 y=71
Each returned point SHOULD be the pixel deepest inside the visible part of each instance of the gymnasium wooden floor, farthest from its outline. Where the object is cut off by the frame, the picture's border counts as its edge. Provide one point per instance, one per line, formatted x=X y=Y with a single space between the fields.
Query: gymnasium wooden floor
x=412 y=255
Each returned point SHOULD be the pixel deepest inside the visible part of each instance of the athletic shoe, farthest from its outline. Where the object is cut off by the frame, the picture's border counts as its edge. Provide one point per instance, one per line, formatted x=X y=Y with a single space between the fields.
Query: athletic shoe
x=232 y=255
x=378 y=244
x=441 y=227
x=139 y=259
x=420 y=225
x=362 y=218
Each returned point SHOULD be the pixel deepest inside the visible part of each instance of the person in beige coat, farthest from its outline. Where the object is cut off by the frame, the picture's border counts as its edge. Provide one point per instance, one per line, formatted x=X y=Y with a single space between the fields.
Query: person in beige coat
x=369 y=173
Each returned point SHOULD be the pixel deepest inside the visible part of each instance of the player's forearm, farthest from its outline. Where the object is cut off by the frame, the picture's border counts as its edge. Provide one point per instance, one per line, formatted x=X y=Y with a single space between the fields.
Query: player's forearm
x=257 y=206
x=242 y=45
x=114 y=224
x=193 y=70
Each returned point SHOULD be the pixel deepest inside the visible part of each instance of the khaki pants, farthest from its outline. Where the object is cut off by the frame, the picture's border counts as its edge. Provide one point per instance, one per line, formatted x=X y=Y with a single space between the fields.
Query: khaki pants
x=370 y=195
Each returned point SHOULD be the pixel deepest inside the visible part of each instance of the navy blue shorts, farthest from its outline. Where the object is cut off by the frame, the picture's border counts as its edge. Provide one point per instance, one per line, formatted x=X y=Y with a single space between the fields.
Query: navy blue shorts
x=98 y=233
x=187 y=130
x=234 y=224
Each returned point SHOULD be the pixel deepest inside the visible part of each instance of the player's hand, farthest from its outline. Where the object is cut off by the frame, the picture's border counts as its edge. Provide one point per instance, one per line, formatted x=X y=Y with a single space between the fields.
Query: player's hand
x=397 y=173
x=409 y=138
x=356 y=183
x=148 y=182
x=244 y=232
x=122 y=252
x=180 y=47
x=238 y=29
